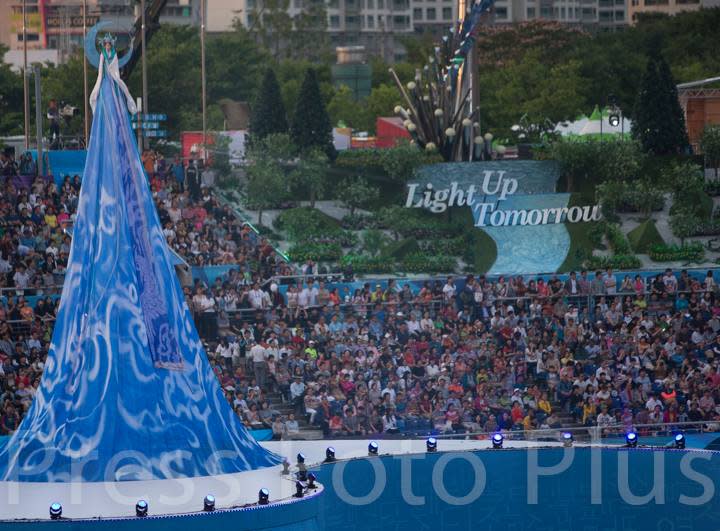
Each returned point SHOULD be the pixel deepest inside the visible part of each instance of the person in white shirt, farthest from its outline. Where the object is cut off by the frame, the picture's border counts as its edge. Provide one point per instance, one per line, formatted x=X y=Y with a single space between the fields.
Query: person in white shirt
x=449 y=289
x=303 y=298
x=256 y=297
x=258 y=354
x=225 y=351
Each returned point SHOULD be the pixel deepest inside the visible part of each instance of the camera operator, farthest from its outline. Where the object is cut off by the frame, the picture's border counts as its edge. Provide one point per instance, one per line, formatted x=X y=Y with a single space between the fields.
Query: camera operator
x=53 y=114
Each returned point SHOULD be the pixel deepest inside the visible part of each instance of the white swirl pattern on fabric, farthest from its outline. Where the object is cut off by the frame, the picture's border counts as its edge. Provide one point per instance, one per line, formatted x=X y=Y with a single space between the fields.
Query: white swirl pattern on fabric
x=127 y=381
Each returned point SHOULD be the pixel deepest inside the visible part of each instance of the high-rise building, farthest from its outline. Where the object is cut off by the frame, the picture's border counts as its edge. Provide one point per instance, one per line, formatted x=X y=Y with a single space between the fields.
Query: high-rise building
x=668 y=7
x=57 y=25
x=600 y=14
x=378 y=25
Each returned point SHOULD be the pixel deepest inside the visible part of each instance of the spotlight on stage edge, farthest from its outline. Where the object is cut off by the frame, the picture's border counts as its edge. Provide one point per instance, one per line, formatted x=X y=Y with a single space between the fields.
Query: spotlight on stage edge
x=311 y=481
x=431 y=444
x=141 y=508
x=301 y=458
x=330 y=454
x=497 y=440
x=299 y=487
x=263 y=497
x=373 y=448
x=209 y=503
x=55 y=511
x=631 y=439
x=680 y=441
x=567 y=438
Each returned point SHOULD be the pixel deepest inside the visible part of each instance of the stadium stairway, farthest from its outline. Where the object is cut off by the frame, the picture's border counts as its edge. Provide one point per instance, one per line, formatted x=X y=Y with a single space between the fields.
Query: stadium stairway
x=307 y=432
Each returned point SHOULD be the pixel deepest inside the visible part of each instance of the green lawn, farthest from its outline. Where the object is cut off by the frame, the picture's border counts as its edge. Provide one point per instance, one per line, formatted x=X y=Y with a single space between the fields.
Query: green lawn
x=580 y=245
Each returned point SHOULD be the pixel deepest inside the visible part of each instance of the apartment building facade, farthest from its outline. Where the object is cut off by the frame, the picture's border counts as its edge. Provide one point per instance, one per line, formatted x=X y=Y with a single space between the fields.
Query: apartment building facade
x=667 y=7
x=58 y=24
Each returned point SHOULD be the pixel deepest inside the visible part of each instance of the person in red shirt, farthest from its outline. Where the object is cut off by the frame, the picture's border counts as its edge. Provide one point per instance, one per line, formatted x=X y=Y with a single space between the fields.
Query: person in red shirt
x=517 y=413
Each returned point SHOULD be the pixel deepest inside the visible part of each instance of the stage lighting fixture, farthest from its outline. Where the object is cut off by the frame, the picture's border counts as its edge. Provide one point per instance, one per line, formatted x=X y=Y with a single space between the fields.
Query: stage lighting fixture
x=299 y=488
x=263 y=497
x=300 y=458
x=680 y=441
x=614 y=119
x=55 y=511
x=567 y=439
x=631 y=439
x=330 y=454
x=431 y=444
x=311 y=481
x=141 y=508
x=373 y=448
x=209 y=503
x=497 y=440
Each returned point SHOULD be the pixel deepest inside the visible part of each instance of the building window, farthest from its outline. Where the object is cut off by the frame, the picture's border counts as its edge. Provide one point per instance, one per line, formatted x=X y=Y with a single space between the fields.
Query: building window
x=334 y=21
x=31 y=37
x=417 y=14
x=530 y=12
x=447 y=13
x=381 y=4
x=501 y=13
x=431 y=14
x=401 y=21
x=370 y=21
x=370 y=4
x=251 y=4
x=619 y=16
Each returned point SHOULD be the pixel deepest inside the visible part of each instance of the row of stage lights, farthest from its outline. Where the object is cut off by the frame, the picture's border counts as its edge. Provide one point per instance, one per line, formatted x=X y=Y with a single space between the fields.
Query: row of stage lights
x=306 y=481
x=142 y=506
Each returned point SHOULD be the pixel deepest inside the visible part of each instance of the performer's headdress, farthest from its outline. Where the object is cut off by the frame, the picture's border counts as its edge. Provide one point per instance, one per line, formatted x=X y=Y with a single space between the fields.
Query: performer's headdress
x=108 y=38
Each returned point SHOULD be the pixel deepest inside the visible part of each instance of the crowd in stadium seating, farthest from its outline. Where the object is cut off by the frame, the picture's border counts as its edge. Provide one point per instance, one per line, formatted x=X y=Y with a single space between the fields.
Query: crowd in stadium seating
x=34 y=244
x=462 y=355
x=478 y=356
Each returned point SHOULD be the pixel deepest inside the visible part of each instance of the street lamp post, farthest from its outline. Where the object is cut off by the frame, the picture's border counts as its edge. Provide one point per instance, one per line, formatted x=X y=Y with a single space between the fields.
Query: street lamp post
x=202 y=74
x=144 y=68
x=85 y=78
x=38 y=120
x=26 y=88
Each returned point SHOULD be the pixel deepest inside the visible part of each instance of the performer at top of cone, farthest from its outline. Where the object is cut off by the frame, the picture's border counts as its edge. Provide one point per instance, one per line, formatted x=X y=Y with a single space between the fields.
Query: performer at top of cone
x=110 y=66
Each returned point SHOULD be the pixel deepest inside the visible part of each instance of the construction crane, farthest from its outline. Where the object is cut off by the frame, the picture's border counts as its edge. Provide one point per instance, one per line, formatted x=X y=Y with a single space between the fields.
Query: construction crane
x=152 y=23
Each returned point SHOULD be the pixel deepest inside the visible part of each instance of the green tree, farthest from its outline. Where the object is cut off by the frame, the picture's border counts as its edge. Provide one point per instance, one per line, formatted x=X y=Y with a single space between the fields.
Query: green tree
x=374 y=241
x=593 y=162
x=684 y=223
x=658 y=123
x=268 y=112
x=540 y=92
x=311 y=173
x=11 y=98
x=267 y=185
x=710 y=145
x=235 y=64
x=343 y=108
x=311 y=123
x=309 y=39
x=382 y=102
x=357 y=193
x=274 y=25
x=60 y=82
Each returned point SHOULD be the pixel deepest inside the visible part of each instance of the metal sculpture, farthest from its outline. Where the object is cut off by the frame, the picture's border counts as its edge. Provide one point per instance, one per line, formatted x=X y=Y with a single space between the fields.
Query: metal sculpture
x=440 y=114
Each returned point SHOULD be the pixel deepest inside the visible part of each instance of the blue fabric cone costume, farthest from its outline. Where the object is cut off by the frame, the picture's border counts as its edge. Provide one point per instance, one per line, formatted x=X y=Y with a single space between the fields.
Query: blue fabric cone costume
x=128 y=392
